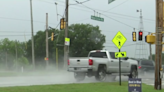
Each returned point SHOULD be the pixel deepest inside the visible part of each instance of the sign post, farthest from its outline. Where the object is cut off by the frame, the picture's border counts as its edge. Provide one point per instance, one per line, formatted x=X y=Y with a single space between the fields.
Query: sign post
x=119 y=41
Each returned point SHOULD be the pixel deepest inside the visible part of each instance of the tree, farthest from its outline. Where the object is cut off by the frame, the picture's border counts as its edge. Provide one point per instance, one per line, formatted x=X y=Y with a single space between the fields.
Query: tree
x=8 y=52
x=21 y=62
x=40 y=47
x=83 y=38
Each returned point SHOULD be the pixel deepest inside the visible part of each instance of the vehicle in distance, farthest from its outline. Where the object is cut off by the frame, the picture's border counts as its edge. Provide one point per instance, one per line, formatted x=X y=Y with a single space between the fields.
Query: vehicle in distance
x=99 y=63
x=145 y=66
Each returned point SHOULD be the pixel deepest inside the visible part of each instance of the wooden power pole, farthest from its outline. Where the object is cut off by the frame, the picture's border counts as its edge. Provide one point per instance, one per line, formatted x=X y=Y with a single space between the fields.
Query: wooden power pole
x=66 y=35
x=158 y=56
x=47 y=56
x=32 y=34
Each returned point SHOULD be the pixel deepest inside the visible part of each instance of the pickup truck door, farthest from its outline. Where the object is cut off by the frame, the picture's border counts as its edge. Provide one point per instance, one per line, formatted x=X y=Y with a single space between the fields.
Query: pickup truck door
x=114 y=67
x=124 y=66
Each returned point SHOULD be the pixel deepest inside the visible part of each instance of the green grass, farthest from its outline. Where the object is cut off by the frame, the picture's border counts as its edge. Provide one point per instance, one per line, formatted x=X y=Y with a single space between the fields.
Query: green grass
x=87 y=87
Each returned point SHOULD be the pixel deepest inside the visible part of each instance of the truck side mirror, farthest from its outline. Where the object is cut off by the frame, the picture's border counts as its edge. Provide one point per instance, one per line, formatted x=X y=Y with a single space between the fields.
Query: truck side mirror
x=126 y=58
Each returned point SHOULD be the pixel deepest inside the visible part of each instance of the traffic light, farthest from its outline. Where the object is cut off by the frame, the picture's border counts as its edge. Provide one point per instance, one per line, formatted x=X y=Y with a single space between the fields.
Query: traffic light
x=150 y=39
x=134 y=36
x=52 y=36
x=62 y=24
x=140 y=36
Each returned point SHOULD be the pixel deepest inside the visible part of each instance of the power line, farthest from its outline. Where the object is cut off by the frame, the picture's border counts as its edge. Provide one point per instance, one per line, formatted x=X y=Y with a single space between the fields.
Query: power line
x=98 y=10
x=107 y=12
x=110 y=17
x=22 y=20
x=117 y=5
x=14 y=35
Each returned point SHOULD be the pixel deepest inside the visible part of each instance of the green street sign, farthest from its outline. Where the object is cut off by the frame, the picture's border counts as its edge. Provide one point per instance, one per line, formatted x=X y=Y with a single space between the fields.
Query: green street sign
x=97 y=18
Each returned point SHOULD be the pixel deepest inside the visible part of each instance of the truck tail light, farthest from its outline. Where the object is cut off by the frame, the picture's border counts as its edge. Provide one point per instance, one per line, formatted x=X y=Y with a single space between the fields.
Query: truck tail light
x=139 y=67
x=90 y=62
x=68 y=61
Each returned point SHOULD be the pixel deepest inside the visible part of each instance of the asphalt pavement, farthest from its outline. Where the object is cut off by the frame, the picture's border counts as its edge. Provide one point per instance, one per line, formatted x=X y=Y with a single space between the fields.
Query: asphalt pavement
x=56 y=78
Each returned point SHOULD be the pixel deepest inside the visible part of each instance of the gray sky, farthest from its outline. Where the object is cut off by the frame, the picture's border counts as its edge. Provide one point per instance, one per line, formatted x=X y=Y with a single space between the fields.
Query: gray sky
x=15 y=18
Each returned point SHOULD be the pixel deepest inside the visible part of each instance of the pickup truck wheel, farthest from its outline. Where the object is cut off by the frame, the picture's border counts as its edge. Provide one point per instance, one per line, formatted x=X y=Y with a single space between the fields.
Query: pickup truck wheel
x=79 y=76
x=100 y=74
x=133 y=73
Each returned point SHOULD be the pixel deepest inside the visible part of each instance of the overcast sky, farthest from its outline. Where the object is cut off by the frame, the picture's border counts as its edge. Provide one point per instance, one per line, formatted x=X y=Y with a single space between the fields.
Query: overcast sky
x=120 y=15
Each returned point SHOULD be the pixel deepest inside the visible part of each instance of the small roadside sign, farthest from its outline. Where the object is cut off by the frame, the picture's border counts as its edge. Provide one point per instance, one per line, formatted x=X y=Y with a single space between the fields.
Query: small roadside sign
x=120 y=54
x=135 y=85
x=119 y=40
x=67 y=41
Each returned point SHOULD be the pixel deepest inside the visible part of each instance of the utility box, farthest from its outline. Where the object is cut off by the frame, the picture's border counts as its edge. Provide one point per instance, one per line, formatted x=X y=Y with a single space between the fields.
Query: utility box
x=150 y=39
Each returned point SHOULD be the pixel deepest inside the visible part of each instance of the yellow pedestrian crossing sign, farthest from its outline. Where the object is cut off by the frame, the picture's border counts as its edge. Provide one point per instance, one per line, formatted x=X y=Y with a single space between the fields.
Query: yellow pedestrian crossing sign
x=119 y=40
x=120 y=54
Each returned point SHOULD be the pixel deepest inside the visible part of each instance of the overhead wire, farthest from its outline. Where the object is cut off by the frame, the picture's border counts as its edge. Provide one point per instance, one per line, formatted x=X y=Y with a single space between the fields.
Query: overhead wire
x=77 y=9
x=109 y=17
x=116 y=6
x=106 y=12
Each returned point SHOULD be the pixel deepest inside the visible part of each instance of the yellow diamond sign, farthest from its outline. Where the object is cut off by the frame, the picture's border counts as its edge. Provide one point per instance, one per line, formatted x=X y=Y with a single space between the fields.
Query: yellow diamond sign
x=119 y=40
x=120 y=54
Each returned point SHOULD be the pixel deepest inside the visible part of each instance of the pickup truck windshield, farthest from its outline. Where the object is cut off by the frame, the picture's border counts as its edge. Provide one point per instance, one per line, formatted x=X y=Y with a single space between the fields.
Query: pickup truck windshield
x=98 y=54
x=112 y=55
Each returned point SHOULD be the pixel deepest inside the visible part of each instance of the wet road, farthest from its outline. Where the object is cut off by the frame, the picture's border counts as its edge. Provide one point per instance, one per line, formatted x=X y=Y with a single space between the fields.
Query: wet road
x=62 y=78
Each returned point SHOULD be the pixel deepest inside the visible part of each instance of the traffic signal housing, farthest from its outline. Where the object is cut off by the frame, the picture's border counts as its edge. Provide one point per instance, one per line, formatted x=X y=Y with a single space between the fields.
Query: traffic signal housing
x=140 y=34
x=52 y=36
x=150 y=39
x=134 y=36
x=62 y=23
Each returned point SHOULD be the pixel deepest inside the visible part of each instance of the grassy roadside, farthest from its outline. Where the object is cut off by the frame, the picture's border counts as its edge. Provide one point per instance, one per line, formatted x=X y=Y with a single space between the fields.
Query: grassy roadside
x=86 y=87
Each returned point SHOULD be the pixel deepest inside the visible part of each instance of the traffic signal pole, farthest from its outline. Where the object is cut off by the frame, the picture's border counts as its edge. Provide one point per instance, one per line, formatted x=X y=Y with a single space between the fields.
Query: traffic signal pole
x=159 y=29
x=66 y=35
x=47 y=56
x=150 y=50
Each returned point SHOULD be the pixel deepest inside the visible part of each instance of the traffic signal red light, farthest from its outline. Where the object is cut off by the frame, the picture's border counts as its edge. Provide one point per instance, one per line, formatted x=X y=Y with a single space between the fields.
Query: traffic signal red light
x=140 y=36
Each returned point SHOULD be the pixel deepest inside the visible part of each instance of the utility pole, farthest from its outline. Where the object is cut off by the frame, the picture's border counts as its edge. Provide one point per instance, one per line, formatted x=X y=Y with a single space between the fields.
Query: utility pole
x=47 y=56
x=66 y=35
x=150 y=50
x=32 y=34
x=159 y=29
x=6 y=61
x=16 y=56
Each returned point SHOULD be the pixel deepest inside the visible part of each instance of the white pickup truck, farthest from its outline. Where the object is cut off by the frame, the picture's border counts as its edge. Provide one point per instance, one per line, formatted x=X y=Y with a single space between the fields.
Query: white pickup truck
x=99 y=63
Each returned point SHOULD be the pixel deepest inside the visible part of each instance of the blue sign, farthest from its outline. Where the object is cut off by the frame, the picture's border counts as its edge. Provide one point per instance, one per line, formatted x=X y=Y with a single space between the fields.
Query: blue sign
x=135 y=85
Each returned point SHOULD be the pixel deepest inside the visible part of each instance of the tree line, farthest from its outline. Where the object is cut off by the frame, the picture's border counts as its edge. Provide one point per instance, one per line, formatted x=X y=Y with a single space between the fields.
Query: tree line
x=83 y=38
